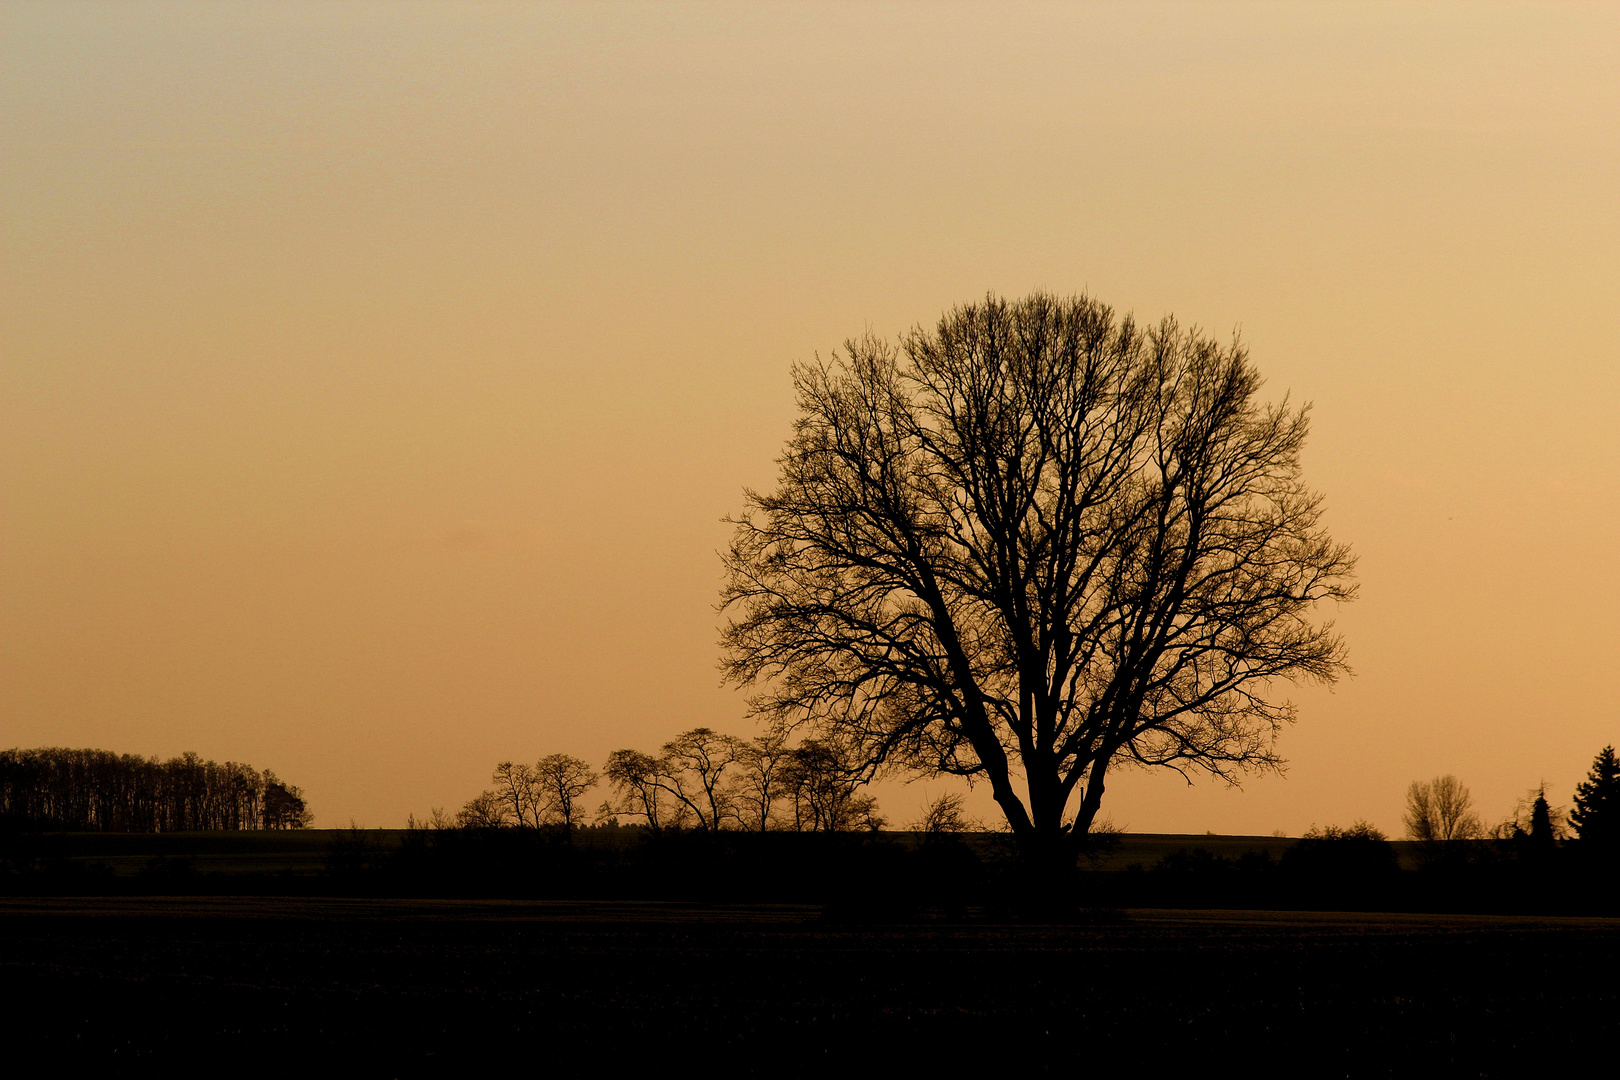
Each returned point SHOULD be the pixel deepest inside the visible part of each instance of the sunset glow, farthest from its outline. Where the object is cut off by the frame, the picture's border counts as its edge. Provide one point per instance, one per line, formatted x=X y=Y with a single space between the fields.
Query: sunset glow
x=376 y=378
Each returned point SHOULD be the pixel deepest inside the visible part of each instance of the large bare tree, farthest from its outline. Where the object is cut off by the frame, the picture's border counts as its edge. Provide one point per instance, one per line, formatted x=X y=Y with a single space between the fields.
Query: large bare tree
x=1029 y=545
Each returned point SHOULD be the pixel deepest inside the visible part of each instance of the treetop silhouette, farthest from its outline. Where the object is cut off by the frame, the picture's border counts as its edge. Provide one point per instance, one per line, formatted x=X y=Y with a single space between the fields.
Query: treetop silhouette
x=1596 y=813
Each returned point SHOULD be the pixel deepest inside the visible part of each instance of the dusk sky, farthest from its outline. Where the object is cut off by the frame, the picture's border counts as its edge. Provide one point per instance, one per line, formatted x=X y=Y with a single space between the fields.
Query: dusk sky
x=374 y=378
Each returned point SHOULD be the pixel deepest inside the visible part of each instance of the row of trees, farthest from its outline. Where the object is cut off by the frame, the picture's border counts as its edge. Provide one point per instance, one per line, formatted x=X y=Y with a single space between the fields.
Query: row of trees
x=100 y=791
x=701 y=779
x=705 y=780
x=1441 y=811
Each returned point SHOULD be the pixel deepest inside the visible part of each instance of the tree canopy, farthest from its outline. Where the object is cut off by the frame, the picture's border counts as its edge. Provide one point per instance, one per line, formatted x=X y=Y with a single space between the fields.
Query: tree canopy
x=1031 y=543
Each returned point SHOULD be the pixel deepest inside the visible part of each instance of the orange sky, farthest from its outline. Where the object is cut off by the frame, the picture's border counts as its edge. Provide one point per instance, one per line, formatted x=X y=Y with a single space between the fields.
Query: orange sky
x=375 y=377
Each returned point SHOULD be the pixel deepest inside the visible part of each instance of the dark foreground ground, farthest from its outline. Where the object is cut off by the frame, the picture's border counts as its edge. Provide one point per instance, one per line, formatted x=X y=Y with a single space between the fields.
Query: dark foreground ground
x=278 y=985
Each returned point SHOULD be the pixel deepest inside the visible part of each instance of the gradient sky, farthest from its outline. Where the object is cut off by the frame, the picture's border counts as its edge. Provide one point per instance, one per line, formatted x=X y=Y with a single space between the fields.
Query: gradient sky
x=375 y=377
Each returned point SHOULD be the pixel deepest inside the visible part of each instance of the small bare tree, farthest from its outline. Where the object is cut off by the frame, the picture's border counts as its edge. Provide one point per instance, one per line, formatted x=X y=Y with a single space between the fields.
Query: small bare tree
x=942 y=816
x=518 y=787
x=1440 y=811
x=485 y=811
x=642 y=790
x=825 y=785
x=561 y=781
x=436 y=821
x=696 y=762
x=1535 y=819
x=760 y=784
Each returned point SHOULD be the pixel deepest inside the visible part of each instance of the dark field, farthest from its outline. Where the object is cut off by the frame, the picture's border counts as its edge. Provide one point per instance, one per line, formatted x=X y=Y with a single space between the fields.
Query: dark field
x=308 y=853
x=889 y=873
x=386 y=987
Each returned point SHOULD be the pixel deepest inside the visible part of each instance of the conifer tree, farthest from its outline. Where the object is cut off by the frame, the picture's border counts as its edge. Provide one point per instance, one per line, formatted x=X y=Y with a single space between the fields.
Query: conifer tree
x=1596 y=815
x=1541 y=826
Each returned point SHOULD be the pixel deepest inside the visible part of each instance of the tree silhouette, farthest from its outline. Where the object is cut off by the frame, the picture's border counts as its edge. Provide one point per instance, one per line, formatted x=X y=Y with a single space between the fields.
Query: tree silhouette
x=1541 y=822
x=1439 y=813
x=824 y=782
x=284 y=805
x=1031 y=544
x=942 y=816
x=687 y=781
x=1596 y=813
x=761 y=782
x=484 y=811
x=518 y=788
x=561 y=781
x=695 y=763
x=1536 y=825
x=646 y=790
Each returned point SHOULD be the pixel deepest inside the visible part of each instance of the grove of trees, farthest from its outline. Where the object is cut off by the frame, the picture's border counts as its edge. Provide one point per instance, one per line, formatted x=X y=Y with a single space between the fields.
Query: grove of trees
x=714 y=781
x=100 y=791
x=530 y=796
x=1031 y=545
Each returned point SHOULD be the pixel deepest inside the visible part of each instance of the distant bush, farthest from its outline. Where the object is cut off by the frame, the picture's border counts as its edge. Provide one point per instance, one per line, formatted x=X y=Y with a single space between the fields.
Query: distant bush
x=1354 y=864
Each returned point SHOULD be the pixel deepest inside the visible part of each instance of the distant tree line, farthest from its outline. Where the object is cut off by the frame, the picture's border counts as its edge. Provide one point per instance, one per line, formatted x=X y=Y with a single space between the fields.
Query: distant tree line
x=100 y=791
x=700 y=780
x=703 y=780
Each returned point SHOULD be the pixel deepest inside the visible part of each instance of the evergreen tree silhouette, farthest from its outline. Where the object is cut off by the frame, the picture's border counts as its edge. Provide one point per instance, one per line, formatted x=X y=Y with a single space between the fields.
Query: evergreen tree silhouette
x=1596 y=815
x=1541 y=826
